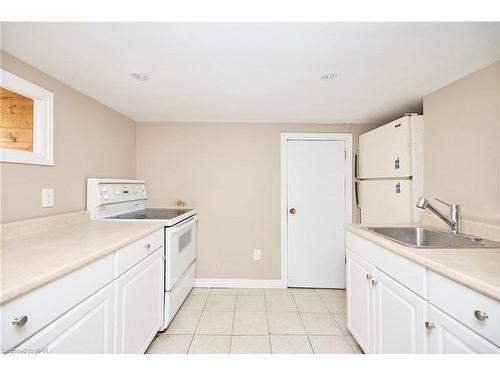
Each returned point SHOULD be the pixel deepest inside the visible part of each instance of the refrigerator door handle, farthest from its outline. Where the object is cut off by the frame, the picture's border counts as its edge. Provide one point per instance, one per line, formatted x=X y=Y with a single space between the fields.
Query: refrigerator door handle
x=356 y=164
x=356 y=182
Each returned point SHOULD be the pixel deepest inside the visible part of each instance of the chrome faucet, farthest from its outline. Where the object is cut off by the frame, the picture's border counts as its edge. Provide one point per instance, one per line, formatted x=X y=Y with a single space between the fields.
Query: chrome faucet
x=452 y=220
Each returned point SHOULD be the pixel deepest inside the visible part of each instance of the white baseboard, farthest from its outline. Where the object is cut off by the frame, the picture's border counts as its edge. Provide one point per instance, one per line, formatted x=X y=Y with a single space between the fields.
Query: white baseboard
x=238 y=283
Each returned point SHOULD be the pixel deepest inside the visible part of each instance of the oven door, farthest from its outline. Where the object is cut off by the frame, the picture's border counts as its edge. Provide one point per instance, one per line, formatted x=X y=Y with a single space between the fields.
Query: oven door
x=180 y=247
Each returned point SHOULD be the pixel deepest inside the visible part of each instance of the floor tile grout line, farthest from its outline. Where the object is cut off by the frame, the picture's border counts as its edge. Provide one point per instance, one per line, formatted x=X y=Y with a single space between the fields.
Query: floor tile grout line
x=268 y=326
x=232 y=325
x=198 y=323
x=303 y=325
x=324 y=303
x=352 y=345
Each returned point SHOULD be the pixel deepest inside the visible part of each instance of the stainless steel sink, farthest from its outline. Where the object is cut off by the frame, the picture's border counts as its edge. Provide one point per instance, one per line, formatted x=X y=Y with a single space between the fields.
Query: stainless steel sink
x=431 y=238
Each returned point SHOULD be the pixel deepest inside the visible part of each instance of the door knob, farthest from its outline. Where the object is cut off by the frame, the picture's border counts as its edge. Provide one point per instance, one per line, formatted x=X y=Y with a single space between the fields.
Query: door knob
x=293 y=211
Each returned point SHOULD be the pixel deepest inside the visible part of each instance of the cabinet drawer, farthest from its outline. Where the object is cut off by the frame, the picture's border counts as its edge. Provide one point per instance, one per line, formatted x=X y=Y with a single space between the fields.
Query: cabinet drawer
x=178 y=294
x=411 y=275
x=462 y=303
x=85 y=329
x=451 y=337
x=47 y=303
x=132 y=254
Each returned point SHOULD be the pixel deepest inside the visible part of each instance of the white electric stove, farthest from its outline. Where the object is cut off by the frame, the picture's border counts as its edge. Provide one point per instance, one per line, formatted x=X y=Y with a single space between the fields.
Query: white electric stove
x=117 y=199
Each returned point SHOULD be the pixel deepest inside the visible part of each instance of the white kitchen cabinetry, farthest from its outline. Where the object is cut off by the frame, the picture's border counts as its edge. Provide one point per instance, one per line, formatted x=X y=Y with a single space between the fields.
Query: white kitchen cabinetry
x=477 y=312
x=114 y=304
x=87 y=329
x=139 y=304
x=399 y=318
x=383 y=315
x=360 y=318
x=447 y=336
x=42 y=306
x=397 y=306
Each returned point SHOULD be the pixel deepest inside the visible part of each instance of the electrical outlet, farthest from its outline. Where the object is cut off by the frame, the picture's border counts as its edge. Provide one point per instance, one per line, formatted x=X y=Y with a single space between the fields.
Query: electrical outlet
x=257 y=254
x=47 y=198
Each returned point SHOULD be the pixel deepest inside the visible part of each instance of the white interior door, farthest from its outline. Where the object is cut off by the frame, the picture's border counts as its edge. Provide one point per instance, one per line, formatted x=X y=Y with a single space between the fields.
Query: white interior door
x=316 y=213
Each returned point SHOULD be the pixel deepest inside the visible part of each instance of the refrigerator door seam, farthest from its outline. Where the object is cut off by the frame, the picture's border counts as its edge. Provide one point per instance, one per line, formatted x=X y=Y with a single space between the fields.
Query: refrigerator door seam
x=357 y=179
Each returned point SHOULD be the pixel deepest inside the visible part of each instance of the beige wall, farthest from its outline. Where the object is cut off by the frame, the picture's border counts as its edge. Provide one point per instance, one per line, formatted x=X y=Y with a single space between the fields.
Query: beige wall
x=462 y=144
x=90 y=140
x=231 y=174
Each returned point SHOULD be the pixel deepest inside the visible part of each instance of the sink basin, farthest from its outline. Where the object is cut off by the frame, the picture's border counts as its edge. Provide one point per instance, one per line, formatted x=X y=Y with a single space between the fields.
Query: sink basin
x=431 y=238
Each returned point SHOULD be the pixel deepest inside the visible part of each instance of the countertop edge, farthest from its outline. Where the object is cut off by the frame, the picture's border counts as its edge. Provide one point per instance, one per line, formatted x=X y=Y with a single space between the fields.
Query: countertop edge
x=459 y=277
x=11 y=294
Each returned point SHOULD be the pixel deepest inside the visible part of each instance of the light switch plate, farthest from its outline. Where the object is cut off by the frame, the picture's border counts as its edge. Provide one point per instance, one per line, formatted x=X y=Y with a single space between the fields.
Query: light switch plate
x=47 y=198
x=257 y=254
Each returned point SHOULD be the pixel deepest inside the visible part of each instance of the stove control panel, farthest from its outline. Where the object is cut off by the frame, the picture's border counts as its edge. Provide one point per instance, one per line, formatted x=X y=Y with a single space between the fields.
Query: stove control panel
x=114 y=196
x=112 y=193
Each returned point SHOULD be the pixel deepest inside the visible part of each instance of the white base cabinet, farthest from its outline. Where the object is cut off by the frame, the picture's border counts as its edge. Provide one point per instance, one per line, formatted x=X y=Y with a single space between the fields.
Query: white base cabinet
x=382 y=315
x=360 y=311
x=114 y=305
x=139 y=305
x=397 y=306
x=87 y=329
x=447 y=336
x=400 y=317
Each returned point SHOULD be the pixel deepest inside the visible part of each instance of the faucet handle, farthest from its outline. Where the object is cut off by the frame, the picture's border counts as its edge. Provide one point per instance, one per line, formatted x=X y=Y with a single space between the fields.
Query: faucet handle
x=445 y=203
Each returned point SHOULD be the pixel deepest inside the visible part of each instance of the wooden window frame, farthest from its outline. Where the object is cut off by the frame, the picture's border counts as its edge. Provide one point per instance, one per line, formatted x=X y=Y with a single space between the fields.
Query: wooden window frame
x=43 y=122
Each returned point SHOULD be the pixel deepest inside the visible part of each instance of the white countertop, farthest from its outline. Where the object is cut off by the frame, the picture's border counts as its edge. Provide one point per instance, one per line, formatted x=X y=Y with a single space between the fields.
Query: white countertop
x=34 y=259
x=478 y=269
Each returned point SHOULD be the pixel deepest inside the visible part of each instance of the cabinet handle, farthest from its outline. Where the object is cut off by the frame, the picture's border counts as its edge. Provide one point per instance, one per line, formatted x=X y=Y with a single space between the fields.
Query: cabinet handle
x=148 y=246
x=374 y=282
x=480 y=315
x=429 y=325
x=20 y=321
x=368 y=276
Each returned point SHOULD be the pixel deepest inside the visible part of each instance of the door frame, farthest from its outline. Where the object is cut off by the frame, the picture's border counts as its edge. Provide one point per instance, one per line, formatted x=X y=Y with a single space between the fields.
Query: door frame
x=347 y=139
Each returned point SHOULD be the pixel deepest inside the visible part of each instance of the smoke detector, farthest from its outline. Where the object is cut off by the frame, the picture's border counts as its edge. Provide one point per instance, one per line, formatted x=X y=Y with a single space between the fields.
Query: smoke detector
x=139 y=76
x=327 y=76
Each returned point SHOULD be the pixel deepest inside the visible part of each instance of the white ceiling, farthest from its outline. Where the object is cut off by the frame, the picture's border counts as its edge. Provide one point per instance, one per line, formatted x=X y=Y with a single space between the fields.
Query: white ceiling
x=251 y=72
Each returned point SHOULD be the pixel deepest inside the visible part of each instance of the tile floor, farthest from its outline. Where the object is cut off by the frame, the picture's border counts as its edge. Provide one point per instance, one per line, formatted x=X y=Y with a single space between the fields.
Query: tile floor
x=259 y=321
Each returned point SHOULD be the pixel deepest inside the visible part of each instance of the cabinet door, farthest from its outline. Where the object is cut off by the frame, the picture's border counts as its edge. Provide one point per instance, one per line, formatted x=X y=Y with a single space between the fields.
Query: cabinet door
x=400 y=317
x=360 y=318
x=86 y=329
x=386 y=151
x=139 y=304
x=451 y=337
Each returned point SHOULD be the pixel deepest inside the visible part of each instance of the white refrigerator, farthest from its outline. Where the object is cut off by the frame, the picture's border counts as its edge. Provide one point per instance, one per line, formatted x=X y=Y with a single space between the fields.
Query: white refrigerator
x=388 y=170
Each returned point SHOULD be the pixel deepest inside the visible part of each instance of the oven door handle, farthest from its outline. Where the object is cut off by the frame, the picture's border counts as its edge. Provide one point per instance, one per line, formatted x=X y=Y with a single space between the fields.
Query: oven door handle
x=180 y=227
